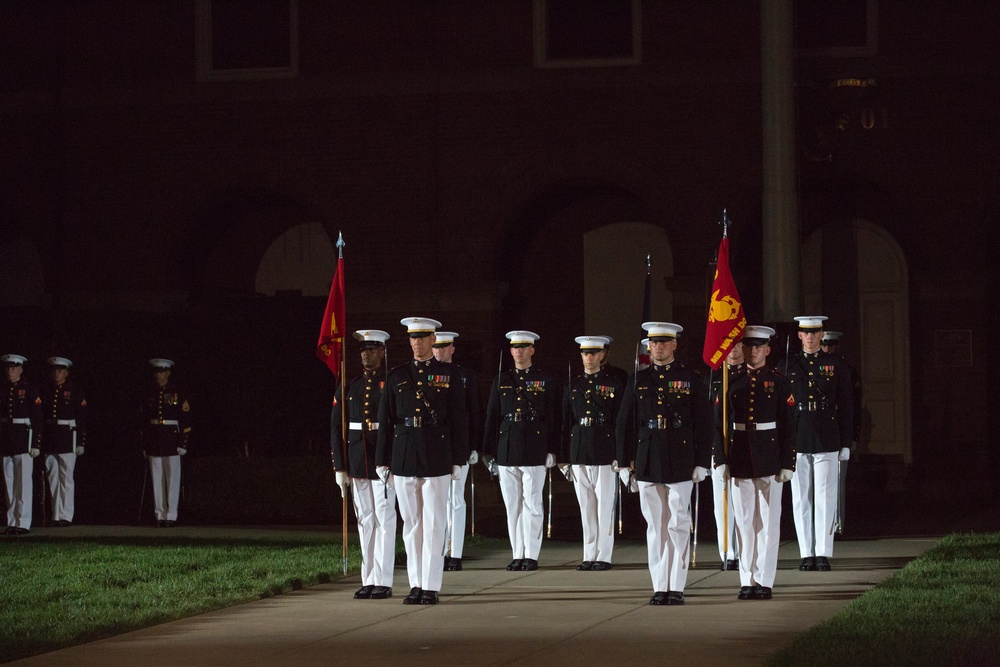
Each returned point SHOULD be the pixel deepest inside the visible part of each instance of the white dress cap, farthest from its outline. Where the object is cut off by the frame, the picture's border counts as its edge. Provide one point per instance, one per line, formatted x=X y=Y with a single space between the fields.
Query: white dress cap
x=59 y=361
x=161 y=363
x=757 y=335
x=444 y=338
x=522 y=337
x=418 y=327
x=810 y=321
x=13 y=360
x=371 y=336
x=831 y=335
x=662 y=330
x=592 y=342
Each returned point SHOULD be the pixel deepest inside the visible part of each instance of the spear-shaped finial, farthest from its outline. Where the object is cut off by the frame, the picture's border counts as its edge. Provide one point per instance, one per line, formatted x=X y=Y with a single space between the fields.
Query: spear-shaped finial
x=725 y=222
x=340 y=244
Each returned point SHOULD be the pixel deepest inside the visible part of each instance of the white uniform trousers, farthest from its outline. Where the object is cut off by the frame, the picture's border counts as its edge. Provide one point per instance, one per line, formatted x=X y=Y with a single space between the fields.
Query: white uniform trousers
x=17 y=473
x=595 y=491
x=521 y=488
x=423 y=504
x=59 y=469
x=814 y=502
x=727 y=536
x=375 y=509
x=165 y=471
x=667 y=510
x=757 y=505
x=456 y=513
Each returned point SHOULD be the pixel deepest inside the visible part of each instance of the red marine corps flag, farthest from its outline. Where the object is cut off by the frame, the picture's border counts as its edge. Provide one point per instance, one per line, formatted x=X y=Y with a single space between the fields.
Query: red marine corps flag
x=330 y=346
x=726 y=319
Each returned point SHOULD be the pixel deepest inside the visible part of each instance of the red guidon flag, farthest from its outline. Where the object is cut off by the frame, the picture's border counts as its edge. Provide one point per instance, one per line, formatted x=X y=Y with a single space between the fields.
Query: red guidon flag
x=726 y=319
x=330 y=346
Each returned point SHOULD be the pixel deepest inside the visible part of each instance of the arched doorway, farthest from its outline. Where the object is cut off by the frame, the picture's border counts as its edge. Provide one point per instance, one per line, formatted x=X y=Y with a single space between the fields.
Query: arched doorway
x=855 y=273
x=300 y=261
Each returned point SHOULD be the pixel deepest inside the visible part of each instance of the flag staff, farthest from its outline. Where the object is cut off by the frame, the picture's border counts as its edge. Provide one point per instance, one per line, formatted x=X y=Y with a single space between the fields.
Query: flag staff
x=343 y=417
x=725 y=222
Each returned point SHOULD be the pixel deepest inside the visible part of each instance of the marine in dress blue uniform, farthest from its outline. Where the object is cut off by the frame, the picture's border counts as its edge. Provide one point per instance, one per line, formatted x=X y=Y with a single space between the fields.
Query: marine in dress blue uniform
x=423 y=443
x=166 y=436
x=374 y=500
x=761 y=458
x=444 y=351
x=591 y=402
x=64 y=437
x=821 y=391
x=20 y=421
x=664 y=440
x=522 y=439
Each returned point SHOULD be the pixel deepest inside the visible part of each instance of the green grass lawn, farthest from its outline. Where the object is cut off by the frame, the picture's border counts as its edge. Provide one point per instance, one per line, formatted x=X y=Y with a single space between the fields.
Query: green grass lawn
x=60 y=591
x=941 y=609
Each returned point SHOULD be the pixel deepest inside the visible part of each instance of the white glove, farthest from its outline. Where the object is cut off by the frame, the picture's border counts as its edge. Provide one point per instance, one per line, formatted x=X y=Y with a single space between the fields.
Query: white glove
x=456 y=472
x=567 y=471
x=723 y=472
x=34 y=452
x=845 y=454
x=625 y=475
x=699 y=474
x=473 y=458
x=785 y=475
x=79 y=451
x=491 y=465
x=383 y=473
x=182 y=451
x=550 y=460
x=614 y=466
x=343 y=481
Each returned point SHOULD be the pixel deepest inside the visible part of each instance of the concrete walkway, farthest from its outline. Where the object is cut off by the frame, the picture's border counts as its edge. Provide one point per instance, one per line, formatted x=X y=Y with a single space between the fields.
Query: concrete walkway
x=488 y=616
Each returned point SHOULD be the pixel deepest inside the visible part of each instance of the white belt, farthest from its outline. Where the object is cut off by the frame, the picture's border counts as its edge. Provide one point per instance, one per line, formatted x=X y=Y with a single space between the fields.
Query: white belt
x=165 y=422
x=17 y=420
x=65 y=422
x=756 y=426
x=360 y=426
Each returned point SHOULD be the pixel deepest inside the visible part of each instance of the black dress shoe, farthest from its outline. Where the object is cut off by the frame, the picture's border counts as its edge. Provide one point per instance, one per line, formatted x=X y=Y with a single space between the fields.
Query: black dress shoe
x=381 y=592
x=161 y=524
x=807 y=565
x=586 y=565
x=452 y=564
x=413 y=597
x=675 y=597
x=515 y=564
x=822 y=564
x=763 y=593
x=747 y=593
x=9 y=531
x=429 y=597
x=529 y=564
x=363 y=593
x=733 y=564
x=659 y=598
x=62 y=523
x=21 y=531
x=601 y=565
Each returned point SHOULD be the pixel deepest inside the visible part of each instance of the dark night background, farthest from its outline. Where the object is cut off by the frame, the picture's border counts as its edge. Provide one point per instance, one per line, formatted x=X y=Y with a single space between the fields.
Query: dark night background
x=154 y=155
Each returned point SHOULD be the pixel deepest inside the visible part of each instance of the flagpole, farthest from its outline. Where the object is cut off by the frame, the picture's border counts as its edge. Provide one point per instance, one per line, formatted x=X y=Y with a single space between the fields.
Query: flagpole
x=343 y=417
